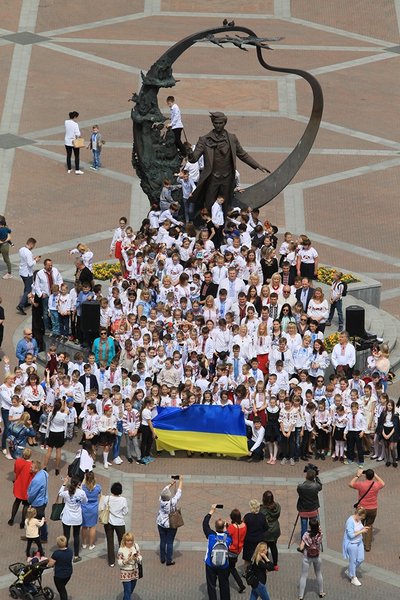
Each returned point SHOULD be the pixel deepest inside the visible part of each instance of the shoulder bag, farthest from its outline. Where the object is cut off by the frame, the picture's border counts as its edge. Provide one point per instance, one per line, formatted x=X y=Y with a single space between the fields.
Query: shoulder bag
x=104 y=513
x=78 y=142
x=56 y=510
x=363 y=496
x=139 y=565
x=175 y=517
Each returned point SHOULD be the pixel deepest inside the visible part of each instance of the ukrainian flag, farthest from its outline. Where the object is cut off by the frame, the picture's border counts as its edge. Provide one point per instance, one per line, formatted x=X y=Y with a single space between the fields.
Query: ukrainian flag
x=202 y=428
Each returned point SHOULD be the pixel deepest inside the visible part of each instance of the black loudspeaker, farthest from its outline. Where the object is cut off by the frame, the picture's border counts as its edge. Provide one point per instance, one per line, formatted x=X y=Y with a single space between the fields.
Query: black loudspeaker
x=90 y=317
x=355 y=321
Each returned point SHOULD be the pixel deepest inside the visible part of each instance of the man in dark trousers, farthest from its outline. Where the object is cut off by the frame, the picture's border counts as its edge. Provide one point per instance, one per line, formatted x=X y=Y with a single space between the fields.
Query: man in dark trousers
x=213 y=572
x=305 y=293
x=308 y=501
x=208 y=288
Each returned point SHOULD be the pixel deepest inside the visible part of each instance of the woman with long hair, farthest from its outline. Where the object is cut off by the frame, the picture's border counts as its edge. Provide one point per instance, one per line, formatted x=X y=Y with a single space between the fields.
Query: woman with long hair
x=147 y=431
x=237 y=530
x=388 y=430
x=271 y=511
x=256 y=530
x=90 y=510
x=56 y=428
x=318 y=361
x=318 y=309
x=74 y=497
x=311 y=546
x=286 y=317
x=261 y=564
x=168 y=504
x=129 y=559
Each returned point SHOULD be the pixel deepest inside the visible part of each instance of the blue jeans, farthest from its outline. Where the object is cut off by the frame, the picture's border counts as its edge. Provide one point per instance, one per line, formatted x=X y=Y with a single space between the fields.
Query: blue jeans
x=188 y=207
x=304 y=526
x=167 y=536
x=27 y=289
x=129 y=586
x=259 y=592
x=6 y=423
x=55 y=322
x=97 y=165
x=297 y=442
x=338 y=306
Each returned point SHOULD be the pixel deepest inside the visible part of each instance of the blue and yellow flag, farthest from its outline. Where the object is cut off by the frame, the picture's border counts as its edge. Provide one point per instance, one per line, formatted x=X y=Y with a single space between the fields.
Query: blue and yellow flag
x=202 y=428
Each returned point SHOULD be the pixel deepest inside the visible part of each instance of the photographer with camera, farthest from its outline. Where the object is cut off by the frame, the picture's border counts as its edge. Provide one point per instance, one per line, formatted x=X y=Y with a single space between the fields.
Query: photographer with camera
x=368 y=490
x=217 y=556
x=308 y=501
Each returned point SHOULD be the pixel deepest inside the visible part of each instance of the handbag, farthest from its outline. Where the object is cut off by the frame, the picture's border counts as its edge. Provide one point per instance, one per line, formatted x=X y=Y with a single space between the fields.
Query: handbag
x=140 y=570
x=78 y=142
x=74 y=467
x=175 y=518
x=56 y=510
x=104 y=514
x=363 y=496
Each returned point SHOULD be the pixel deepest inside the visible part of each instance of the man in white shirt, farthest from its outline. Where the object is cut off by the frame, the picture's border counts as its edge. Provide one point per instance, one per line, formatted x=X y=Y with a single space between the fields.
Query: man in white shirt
x=344 y=355
x=176 y=124
x=45 y=278
x=232 y=284
x=256 y=442
x=26 y=263
x=217 y=217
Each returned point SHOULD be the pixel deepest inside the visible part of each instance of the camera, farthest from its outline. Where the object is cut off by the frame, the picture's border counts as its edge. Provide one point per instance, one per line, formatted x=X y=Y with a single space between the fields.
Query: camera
x=311 y=467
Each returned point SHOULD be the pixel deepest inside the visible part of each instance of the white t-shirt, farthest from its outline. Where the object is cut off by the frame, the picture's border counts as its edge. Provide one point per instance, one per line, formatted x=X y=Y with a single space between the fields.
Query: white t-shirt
x=58 y=423
x=146 y=416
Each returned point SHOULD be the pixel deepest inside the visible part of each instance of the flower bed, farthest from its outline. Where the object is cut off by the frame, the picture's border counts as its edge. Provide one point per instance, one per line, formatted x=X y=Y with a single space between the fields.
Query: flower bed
x=104 y=271
x=325 y=275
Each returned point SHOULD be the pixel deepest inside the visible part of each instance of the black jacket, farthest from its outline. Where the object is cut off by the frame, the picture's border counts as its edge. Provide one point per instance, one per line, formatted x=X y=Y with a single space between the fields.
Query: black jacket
x=94 y=384
x=308 y=495
x=310 y=294
x=212 y=290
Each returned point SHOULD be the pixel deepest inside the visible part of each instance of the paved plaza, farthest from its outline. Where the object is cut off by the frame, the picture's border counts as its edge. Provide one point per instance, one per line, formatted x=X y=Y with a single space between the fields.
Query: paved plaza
x=58 y=56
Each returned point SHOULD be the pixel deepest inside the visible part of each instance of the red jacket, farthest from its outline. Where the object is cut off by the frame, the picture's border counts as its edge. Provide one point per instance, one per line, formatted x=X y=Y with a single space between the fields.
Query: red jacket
x=237 y=533
x=23 y=477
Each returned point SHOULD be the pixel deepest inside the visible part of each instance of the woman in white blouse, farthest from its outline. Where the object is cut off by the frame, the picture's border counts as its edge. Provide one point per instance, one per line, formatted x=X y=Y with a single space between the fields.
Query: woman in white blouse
x=118 y=509
x=293 y=338
x=71 y=516
x=168 y=504
x=318 y=309
x=72 y=132
x=56 y=429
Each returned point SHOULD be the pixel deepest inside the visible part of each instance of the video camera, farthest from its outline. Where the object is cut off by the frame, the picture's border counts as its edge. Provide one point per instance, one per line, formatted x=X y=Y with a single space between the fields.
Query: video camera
x=311 y=467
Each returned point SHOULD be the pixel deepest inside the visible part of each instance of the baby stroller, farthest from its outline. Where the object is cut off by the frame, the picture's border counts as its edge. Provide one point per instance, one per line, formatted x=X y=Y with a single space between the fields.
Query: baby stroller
x=28 y=585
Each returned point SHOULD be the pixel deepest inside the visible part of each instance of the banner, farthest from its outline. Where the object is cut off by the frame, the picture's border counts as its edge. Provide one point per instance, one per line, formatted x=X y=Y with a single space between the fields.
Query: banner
x=202 y=428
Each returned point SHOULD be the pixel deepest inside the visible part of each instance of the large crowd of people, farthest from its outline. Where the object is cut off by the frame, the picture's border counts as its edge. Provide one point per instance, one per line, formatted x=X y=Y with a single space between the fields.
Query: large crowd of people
x=211 y=312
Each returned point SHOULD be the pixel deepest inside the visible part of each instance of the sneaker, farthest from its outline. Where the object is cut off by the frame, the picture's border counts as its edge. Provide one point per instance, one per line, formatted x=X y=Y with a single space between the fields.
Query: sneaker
x=395 y=465
x=84 y=546
x=348 y=462
x=77 y=559
x=92 y=547
x=4 y=451
x=283 y=461
x=118 y=461
x=79 y=172
x=150 y=459
x=7 y=276
x=93 y=168
x=292 y=463
x=130 y=460
x=106 y=465
x=21 y=311
x=69 y=171
x=172 y=453
x=355 y=581
x=380 y=459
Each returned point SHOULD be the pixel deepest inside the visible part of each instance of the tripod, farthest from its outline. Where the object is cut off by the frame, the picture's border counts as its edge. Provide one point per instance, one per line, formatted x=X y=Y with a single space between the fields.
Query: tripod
x=294 y=527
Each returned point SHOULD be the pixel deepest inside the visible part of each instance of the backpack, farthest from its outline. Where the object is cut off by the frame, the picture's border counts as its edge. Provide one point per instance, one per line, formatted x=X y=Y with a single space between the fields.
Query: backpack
x=251 y=575
x=219 y=552
x=73 y=469
x=344 y=284
x=313 y=545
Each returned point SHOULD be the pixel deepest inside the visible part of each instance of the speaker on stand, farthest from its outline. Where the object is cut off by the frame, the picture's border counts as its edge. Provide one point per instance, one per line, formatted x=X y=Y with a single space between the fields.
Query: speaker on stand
x=90 y=321
x=355 y=321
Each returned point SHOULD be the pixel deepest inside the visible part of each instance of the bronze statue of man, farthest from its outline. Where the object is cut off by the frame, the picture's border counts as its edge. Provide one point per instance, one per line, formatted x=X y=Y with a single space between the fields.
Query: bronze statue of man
x=219 y=149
